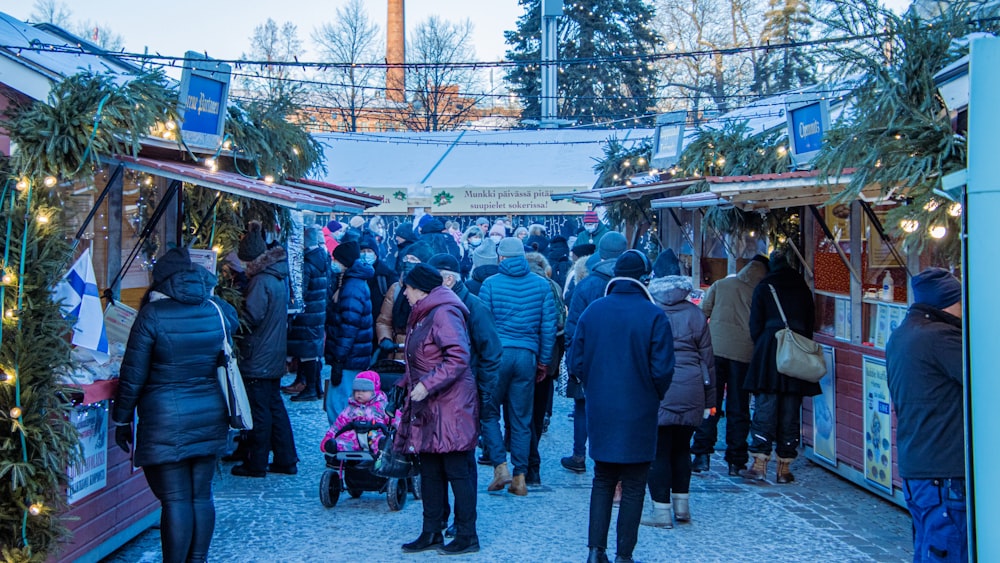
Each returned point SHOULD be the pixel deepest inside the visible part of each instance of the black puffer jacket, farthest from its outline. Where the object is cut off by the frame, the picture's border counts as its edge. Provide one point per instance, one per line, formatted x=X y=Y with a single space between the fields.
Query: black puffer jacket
x=486 y=348
x=349 y=323
x=440 y=242
x=379 y=284
x=305 y=335
x=480 y=275
x=168 y=373
x=262 y=351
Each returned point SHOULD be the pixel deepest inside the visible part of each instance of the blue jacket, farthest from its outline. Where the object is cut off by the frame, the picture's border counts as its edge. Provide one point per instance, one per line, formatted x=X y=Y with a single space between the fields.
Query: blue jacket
x=264 y=347
x=523 y=308
x=168 y=373
x=305 y=335
x=626 y=364
x=349 y=325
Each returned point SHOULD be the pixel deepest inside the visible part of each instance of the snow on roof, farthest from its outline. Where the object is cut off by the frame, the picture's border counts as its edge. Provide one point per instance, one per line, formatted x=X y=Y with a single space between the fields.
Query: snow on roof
x=557 y=158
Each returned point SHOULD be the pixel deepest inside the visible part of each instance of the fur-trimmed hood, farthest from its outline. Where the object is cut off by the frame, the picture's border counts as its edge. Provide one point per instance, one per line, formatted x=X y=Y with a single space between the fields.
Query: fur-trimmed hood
x=671 y=289
x=275 y=260
x=537 y=263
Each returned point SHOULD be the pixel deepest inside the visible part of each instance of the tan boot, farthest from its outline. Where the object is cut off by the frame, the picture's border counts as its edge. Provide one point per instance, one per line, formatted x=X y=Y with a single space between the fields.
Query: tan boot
x=501 y=478
x=784 y=474
x=758 y=472
x=517 y=486
x=682 y=510
x=660 y=516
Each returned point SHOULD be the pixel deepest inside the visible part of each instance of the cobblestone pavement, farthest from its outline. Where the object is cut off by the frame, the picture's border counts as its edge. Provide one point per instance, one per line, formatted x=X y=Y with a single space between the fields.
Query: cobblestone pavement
x=818 y=518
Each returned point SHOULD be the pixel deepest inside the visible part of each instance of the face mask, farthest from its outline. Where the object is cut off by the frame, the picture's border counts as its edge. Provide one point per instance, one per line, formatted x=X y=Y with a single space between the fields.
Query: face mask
x=335 y=268
x=474 y=242
x=496 y=238
x=368 y=258
x=339 y=234
x=590 y=228
x=406 y=269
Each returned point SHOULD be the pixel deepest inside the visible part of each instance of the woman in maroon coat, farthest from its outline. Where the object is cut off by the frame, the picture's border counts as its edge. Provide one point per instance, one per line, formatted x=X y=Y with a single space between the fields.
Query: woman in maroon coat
x=440 y=418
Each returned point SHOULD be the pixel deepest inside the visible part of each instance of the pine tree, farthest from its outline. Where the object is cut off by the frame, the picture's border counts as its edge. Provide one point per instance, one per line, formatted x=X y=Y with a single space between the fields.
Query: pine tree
x=787 y=21
x=591 y=31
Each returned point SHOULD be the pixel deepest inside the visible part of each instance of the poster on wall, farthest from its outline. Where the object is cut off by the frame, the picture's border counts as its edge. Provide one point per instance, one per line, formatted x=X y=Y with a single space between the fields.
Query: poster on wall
x=877 y=423
x=842 y=318
x=90 y=474
x=825 y=412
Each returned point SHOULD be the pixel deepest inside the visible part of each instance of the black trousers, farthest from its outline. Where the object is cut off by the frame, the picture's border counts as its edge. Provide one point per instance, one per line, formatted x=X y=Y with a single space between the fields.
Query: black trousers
x=436 y=472
x=776 y=420
x=187 y=521
x=730 y=376
x=272 y=431
x=606 y=478
x=671 y=470
x=543 y=397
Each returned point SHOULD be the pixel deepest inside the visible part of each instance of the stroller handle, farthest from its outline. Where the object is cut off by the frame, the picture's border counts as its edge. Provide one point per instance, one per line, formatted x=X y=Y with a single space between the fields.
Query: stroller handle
x=363 y=427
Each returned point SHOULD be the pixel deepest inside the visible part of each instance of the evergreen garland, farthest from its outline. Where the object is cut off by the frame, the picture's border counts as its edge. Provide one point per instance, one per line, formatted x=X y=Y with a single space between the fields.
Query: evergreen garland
x=263 y=135
x=618 y=164
x=37 y=448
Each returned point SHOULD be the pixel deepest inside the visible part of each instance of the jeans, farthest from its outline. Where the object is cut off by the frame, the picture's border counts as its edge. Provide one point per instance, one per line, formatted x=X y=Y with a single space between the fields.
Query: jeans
x=939 y=524
x=606 y=478
x=184 y=488
x=671 y=470
x=776 y=420
x=543 y=396
x=337 y=395
x=515 y=390
x=579 y=428
x=730 y=376
x=272 y=431
x=436 y=472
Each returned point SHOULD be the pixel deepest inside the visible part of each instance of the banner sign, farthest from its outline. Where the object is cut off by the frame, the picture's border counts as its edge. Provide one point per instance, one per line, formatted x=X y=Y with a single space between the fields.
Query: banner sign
x=825 y=412
x=90 y=474
x=520 y=201
x=877 y=423
x=204 y=93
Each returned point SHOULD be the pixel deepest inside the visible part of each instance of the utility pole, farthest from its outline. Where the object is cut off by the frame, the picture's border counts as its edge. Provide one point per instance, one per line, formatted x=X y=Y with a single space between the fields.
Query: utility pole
x=551 y=10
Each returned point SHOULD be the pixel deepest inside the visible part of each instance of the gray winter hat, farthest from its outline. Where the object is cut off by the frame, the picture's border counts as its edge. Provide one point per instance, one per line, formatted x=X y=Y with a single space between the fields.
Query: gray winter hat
x=485 y=254
x=611 y=245
x=511 y=247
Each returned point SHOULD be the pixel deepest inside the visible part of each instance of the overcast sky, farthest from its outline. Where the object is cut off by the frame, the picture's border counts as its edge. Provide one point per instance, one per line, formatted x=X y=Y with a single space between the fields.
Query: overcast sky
x=223 y=27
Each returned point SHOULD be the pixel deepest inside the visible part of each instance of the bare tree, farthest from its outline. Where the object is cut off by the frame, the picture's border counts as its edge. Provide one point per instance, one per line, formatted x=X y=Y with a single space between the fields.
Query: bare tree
x=708 y=81
x=100 y=34
x=440 y=90
x=354 y=40
x=51 y=11
x=271 y=43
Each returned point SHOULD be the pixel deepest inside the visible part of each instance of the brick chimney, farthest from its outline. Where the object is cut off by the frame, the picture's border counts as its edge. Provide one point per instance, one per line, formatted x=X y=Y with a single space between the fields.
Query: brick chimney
x=395 y=52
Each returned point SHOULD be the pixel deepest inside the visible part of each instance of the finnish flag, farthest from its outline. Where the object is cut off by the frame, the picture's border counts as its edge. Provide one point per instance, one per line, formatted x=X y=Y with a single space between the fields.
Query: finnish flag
x=78 y=298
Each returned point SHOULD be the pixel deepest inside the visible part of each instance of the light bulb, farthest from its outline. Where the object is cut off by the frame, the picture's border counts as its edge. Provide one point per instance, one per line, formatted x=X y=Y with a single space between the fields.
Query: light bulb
x=227 y=145
x=9 y=378
x=641 y=161
x=268 y=179
x=210 y=163
x=909 y=225
x=22 y=184
x=43 y=219
x=955 y=209
x=782 y=150
x=938 y=231
x=721 y=161
x=49 y=181
x=35 y=509
x=931 y=205
x=217 y=249
x=171 y=125
x=295 y=150
x=9 y=313
x=8 y=279
x=15 y=412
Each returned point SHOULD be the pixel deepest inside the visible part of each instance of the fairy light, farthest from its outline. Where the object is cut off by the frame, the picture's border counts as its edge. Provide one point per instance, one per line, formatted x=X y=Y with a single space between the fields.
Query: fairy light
x=36 y=509
x=210 y=163
x=42 y=219
x=22 y=184
x=269 y=179
x=7 y=279
x=8 y=378
x=227 y=145
x=782 y=150
x=217 y=249
x=931 y=205
x=49 y=181
x=641 y=161
x=909 y=225
x=938 y=231
x=15 y=412
x=955 y=209
x=295 y=151
x=171 y=125
x=721 y=161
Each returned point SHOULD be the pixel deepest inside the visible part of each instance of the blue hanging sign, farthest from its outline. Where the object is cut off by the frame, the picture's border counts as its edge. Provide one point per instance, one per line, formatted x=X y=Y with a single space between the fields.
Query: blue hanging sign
x=808 y=120
x=203 y=95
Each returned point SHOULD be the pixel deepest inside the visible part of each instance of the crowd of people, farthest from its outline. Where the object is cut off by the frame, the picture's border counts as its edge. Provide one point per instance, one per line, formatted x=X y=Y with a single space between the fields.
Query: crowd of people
x=483 y=319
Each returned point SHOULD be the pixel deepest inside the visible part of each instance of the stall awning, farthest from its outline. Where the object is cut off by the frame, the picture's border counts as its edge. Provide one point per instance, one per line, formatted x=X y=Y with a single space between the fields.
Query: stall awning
x=333 y=190
x=278 y=194
x=589 y=196
x=769 y=191
x=634 y=192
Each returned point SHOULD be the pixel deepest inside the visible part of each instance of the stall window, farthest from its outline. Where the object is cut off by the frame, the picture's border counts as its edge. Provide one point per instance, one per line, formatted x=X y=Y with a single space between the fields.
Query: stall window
x=884 y=286
x=832 y=278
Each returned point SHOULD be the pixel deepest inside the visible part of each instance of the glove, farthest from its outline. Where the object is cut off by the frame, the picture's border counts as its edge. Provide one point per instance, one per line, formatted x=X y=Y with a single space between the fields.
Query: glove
x=387 y=345
x=123 y=437
x=541 y=370
x=709 y=412
x=336 y=373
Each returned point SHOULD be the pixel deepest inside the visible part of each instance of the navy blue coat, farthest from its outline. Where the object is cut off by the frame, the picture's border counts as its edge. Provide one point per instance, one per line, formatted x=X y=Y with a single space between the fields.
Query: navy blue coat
x=349 y=323
x=626 y=363
x=265 y=345
x=479 y=277
x=168 y=373
x=523 y=308
x=305 y=335
x=440 y=242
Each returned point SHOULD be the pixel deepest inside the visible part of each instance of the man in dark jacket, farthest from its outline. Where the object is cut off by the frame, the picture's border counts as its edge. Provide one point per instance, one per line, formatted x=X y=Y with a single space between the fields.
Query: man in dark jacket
x=525 y=315
x=349 y=326
x=624 y=390
x=405 y=236
x=927 y=387
x=485 y=263
x=589 y=290
x=432 y=232
x=777 y=397
x=262 y=356
x=384 y=276
x=305 y=337
x=559 y=259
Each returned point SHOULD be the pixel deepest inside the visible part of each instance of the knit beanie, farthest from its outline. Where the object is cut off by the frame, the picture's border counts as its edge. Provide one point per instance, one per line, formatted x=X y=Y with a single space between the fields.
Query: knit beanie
x=173 y=261
x=582 y=250
x=935 y=287
x=485 y=254
x=423 y=277
x=367 y=381
x=419 y=250
x=253 y=244
x=666 y=264
x=334 y=226
x=498 y=230
x=424 y=219
x=611 y=245
x=347 y=253
x=590 y=217
x=510 y=247
x=632 y=264
x=445 y=261
x=357 y=222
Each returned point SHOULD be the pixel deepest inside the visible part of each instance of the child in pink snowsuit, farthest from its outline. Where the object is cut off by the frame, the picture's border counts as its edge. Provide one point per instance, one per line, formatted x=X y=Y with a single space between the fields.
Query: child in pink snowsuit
x=366 y=404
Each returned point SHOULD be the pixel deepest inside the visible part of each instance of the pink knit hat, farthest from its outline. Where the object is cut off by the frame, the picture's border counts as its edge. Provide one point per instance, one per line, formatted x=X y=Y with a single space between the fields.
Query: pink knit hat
x=367 y=379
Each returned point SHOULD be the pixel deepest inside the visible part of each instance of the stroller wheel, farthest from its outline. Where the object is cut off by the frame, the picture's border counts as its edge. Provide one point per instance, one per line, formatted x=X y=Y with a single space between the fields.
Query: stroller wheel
x=329 y=488
x=415 y=487
x=395 y=493
x=355 y=493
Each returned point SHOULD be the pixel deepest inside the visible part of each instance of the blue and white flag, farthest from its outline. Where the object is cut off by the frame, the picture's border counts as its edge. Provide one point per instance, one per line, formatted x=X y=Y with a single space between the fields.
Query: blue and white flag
x=78 y=299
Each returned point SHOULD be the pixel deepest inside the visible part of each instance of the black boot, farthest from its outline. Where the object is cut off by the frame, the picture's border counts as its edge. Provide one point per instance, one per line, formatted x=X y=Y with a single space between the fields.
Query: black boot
x=624 y=559
x=461 y=544
x=700 y=463
x=427 y=540
x=598 y=555
x=310 y=374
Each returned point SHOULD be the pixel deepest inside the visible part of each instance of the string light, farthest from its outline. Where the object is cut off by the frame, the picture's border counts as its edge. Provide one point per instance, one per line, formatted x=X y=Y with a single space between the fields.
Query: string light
x=15 y=412
x=938 y=231
x=210 y=163
x=42 y=218
x=8 y=378
x=909 y=225
x=49 y=181
x=171 y=125
x=955 y=209
x=268 y=179
x=36 y=509
x=22 y=184
x=931 y=205
x=217 y=249
x=7 y=279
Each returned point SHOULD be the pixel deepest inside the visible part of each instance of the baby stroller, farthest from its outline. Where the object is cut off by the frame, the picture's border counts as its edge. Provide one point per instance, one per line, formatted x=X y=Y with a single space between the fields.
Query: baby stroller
x=352 y=471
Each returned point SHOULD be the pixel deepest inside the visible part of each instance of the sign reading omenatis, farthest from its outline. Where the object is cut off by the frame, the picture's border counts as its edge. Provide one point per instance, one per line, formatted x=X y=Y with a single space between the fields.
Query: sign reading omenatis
x=203 y=95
